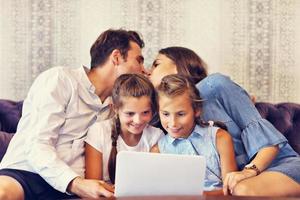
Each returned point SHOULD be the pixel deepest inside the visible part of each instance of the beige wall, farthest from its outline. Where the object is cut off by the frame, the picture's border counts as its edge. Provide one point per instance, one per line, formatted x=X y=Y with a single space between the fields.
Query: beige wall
x=256 y=42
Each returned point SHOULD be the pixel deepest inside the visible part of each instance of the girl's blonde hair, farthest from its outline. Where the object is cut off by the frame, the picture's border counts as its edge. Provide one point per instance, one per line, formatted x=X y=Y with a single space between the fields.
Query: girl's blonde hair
x=175 y=85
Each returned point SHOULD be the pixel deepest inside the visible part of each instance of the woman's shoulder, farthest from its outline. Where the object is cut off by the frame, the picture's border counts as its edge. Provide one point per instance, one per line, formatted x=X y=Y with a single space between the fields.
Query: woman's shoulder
x=215 y=85
x=215 y=79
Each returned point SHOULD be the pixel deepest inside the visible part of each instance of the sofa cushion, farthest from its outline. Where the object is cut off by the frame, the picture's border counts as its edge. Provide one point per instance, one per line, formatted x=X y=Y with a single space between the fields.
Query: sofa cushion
x=4 y=141
x=10 y=113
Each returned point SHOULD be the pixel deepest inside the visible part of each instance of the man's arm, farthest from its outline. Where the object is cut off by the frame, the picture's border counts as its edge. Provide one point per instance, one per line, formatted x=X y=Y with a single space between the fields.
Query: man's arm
x=45 y=105
x=49 y=98
x=90 y=188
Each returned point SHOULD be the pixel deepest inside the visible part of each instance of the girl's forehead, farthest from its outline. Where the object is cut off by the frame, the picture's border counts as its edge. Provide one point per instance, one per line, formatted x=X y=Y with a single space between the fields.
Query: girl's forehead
x=177 y=100
x=179 y=96
x=133 y=98
x=135 y=101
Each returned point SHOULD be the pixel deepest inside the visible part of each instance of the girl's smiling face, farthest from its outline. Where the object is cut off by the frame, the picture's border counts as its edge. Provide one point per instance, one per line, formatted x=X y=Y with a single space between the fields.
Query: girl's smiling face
x=177 y=115
x=134 y=114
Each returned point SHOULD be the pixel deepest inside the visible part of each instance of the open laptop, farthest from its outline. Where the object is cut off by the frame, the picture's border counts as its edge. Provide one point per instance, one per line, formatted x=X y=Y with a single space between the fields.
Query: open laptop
x=151 y=174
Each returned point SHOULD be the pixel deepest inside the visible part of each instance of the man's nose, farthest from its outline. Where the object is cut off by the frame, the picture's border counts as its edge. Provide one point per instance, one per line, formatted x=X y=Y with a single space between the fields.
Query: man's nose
x=146 y=72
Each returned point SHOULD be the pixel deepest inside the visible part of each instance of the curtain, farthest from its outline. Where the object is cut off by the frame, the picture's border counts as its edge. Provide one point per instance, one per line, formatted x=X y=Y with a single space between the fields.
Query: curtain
x=255 y=42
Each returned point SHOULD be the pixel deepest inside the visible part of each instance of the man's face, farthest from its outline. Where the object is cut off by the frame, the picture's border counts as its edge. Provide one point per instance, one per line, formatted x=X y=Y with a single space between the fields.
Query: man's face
x=134 y=63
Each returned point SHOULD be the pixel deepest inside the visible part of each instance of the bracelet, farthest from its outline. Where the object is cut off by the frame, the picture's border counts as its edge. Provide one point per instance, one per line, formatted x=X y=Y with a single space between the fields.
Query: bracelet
x=253 y=167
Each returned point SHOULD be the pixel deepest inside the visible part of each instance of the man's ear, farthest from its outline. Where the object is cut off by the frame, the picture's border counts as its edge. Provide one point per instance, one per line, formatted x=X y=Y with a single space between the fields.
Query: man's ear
x=116 y=56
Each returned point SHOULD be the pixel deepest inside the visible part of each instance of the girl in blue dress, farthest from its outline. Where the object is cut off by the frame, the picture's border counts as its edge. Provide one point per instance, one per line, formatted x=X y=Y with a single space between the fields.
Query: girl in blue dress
x=179 y=111
x=262 y=153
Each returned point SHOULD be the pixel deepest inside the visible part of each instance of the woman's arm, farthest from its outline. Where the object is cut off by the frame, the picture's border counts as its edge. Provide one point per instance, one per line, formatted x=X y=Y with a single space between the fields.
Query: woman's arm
x=93 y=163
x=227 y=158
x=262 y=160
x=264 y=157
x=238 y=106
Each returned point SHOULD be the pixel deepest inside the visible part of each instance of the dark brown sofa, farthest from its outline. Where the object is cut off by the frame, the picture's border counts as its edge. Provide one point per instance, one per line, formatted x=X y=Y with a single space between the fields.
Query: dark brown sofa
x=284 y=116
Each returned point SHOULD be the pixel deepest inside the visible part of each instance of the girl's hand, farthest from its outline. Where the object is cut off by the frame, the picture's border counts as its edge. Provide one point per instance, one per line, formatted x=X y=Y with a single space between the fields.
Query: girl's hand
x=233 y=178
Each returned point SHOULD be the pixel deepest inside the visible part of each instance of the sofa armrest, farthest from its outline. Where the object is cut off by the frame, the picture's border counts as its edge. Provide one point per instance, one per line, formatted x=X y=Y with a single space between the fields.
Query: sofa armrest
x=4 y=141
x=10 y=114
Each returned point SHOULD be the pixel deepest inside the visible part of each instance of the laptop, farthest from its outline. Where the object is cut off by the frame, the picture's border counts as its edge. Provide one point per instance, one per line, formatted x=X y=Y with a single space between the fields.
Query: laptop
x=154 y=174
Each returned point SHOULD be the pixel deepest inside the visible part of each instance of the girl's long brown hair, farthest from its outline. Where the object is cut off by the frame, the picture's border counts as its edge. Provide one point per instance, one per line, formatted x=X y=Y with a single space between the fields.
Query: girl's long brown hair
x=127 y=85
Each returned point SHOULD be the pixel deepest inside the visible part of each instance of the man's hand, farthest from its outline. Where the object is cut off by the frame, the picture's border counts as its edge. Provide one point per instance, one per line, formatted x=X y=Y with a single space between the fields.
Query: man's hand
x=89 y=188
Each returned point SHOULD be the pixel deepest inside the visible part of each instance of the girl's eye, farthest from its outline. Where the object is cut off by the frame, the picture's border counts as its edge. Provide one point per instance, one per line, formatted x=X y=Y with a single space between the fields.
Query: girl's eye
x=146 y=112
x=181 y=114
x=165 y=114
x=130 y=114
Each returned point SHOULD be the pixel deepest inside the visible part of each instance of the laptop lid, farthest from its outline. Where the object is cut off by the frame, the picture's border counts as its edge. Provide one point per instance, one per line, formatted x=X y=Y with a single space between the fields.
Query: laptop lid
x=151 y=174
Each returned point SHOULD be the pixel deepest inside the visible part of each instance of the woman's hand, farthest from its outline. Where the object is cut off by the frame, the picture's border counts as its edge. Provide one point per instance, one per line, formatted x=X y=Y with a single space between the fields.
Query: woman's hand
x=233 y=178
x=262 y=160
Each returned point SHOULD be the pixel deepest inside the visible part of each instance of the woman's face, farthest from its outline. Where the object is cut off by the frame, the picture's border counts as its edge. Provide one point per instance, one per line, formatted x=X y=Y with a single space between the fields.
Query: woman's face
x=162 y=66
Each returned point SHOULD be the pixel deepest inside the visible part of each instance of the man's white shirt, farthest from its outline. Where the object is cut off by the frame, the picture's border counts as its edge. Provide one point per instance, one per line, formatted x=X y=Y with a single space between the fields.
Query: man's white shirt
x=59 y=108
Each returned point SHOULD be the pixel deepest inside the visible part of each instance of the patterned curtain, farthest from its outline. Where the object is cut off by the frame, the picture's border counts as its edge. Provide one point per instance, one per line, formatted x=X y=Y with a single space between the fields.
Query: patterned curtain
x=36 y=35
x=255 y=42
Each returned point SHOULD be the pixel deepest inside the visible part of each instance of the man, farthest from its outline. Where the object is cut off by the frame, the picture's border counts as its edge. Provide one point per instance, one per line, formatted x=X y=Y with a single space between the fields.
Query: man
x=45 y=158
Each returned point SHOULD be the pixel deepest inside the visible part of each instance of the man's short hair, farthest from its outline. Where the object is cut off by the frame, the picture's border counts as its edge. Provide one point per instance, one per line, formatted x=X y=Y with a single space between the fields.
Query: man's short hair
x=110 y=40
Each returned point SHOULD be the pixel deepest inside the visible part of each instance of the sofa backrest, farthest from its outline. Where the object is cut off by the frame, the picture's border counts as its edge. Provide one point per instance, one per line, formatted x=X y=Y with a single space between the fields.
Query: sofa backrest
x=286 y=118
x=10 y=114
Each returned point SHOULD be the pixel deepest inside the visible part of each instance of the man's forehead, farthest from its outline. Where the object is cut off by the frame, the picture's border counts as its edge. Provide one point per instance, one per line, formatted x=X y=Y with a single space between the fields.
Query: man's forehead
x=136 y=51
x=134 y=46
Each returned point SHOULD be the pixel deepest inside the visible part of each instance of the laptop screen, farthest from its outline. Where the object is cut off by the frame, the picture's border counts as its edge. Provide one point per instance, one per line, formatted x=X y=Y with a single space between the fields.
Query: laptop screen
x=151 y=174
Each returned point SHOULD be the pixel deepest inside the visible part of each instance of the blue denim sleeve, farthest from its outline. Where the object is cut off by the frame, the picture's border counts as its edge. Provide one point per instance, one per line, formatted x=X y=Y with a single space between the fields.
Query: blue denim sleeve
x=256 y=132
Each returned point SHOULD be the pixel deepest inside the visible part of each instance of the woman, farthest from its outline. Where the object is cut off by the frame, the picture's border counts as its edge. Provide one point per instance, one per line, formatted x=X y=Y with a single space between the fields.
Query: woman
x=262 y=153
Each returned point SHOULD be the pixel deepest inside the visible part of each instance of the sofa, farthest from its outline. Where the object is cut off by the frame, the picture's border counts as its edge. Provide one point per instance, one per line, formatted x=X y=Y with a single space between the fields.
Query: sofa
x=284 y=116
